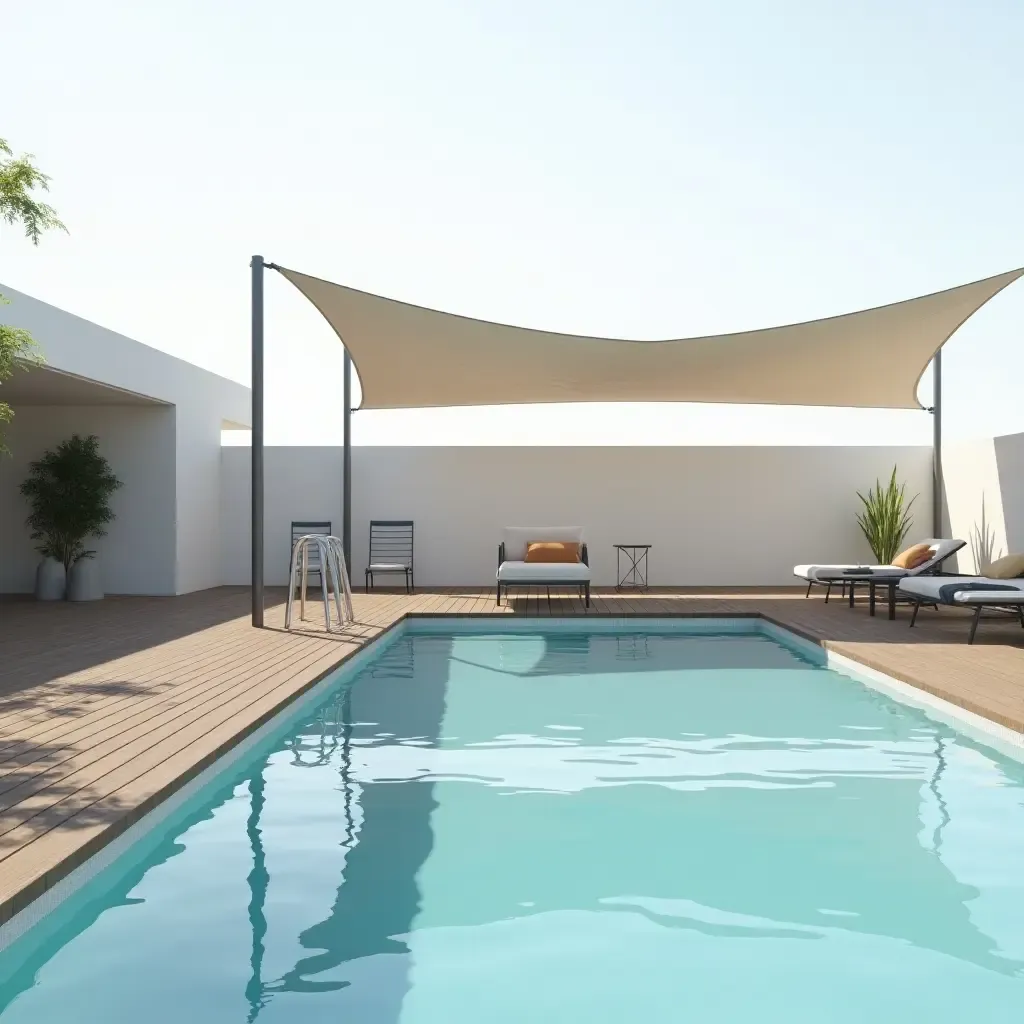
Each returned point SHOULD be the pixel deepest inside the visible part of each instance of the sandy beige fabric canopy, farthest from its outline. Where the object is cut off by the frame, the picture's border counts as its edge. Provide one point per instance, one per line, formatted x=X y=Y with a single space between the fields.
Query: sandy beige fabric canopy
x=411 y=357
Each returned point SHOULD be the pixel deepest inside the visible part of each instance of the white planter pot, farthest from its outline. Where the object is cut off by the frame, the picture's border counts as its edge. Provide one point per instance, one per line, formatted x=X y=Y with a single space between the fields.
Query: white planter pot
x=84 y=582
x=50 y=580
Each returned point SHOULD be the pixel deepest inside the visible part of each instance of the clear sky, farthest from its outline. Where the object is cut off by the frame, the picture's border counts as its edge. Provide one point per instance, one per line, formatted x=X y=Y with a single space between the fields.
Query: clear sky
x=634 y=169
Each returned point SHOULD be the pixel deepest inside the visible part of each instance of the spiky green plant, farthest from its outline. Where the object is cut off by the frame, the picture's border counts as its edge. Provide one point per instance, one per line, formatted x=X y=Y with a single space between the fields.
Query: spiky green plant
x=886 y=518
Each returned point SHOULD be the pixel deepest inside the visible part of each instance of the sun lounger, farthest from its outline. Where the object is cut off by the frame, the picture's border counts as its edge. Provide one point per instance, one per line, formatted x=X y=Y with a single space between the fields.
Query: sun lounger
x=975 y=592
x=810 y=574
x=845 y=576
x=514 y=570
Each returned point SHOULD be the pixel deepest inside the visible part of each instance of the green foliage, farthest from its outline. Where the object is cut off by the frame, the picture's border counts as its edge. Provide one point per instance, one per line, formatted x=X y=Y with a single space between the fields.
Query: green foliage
x=18 y=350
x=69 y=491
x=886 y=518
x=19 y=177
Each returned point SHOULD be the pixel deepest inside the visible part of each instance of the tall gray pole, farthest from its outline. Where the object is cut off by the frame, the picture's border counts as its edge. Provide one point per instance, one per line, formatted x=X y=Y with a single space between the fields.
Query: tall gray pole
x=346 y=465
x=257 y=441
x=937 y=485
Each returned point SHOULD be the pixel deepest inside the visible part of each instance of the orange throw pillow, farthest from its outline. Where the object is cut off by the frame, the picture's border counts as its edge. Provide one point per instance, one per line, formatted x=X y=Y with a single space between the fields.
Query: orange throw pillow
x=913 y=557
x=552 y=551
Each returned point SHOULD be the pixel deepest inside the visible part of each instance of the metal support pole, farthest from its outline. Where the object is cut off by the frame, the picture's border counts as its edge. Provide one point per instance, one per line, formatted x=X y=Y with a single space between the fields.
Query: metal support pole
x=937 y=485
x=257 y=441
x=346 y=466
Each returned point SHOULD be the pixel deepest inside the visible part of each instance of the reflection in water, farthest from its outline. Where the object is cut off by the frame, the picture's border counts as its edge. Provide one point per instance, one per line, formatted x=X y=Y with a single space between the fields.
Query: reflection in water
x=631 y=648
x=589 y=653
x=334 y=720
x=258 y=880
x=397 y=662
x=316 y=749
x=373 y=905
x=934 y=784
x=462 y=836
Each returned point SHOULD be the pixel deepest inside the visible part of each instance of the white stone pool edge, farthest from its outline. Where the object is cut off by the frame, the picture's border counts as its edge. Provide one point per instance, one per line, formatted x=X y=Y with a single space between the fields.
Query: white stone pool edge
x=1001 y=739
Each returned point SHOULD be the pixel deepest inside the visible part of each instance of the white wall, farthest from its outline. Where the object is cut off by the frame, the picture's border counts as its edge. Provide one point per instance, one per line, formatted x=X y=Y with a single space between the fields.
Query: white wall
x=138 y=553
x=716 y=516
x=198 y=488
x=299 y=484
x=984 y=484
x=1009 y=451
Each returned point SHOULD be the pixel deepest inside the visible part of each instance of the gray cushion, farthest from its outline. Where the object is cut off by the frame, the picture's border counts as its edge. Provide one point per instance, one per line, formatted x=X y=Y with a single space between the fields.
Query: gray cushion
x=871 y=572
x=820 y=573
x=943 y=590
x=525 y=572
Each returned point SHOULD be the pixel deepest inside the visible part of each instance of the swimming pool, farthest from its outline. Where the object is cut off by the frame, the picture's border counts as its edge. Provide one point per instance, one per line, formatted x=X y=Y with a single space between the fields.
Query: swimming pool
x=572 y=826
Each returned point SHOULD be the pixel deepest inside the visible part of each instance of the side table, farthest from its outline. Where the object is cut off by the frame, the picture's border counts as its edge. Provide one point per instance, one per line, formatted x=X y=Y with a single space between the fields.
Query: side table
x=635 y=575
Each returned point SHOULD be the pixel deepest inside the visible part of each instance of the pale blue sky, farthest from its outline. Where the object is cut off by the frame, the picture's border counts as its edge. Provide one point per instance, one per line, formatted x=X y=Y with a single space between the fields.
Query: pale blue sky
x=643 y=169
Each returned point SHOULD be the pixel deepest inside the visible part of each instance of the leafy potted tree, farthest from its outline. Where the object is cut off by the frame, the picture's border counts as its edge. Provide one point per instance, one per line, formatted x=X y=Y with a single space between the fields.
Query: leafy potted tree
x=69 y=492
x=886 y=518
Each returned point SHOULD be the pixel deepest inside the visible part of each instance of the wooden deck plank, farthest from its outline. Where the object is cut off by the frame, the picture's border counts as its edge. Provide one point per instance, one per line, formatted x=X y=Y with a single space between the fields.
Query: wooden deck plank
x=31 y=788
x=105 y=709
x=28 y=811
x=53 y=729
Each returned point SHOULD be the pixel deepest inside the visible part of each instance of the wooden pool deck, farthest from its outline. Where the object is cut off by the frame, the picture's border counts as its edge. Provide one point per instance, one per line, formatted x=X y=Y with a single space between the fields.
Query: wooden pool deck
x=107 y=708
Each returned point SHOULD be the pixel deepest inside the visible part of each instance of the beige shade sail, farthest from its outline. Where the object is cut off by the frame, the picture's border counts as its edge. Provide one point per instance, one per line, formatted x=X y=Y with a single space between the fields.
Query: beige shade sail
x=410 y=357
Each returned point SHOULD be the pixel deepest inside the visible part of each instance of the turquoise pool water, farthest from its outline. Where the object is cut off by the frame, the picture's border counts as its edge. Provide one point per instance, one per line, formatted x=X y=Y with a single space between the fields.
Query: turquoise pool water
x=571 y=828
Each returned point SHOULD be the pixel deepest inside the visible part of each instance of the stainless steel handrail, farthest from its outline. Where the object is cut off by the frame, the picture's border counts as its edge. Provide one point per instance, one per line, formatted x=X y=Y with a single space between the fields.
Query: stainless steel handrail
x=332 y=573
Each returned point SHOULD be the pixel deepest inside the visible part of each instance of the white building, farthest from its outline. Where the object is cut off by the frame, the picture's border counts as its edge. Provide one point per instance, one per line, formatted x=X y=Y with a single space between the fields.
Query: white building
x=159 y=422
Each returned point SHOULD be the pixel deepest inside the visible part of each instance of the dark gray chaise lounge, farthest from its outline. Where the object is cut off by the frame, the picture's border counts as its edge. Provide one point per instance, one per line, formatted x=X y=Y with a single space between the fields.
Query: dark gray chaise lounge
x=975 y=592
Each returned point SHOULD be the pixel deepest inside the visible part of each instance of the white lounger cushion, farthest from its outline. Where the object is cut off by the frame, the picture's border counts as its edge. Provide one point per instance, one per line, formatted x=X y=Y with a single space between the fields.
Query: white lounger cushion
x=525 y=572
x=830 y=574
x=931 y=588
x=826 y=572
x=941 y=549
x=515 y=538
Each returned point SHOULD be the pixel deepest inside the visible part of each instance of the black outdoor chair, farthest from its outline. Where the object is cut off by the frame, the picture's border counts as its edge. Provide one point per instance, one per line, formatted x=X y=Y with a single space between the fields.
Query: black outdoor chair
x=300 y=530
x=390 y=550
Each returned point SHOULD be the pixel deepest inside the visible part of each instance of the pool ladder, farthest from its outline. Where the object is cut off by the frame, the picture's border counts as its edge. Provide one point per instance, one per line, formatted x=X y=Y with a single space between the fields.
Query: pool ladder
x=330 y=565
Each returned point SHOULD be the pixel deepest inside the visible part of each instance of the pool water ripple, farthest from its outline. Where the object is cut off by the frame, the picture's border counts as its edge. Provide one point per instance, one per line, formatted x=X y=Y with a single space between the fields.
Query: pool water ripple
x=565 y=827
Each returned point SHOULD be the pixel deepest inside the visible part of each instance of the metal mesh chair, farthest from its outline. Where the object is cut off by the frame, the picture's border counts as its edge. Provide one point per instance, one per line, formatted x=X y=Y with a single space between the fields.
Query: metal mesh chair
x=390 y=550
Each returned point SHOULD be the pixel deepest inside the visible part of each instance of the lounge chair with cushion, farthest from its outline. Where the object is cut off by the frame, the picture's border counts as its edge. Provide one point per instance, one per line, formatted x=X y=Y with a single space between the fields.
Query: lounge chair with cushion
x=975 y=592
x=543 y=556
x=919 y=559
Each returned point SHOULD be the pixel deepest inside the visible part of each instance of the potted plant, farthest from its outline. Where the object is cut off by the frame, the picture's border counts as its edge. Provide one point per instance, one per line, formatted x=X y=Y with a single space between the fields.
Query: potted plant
x=69 y=492
x=886 y=518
